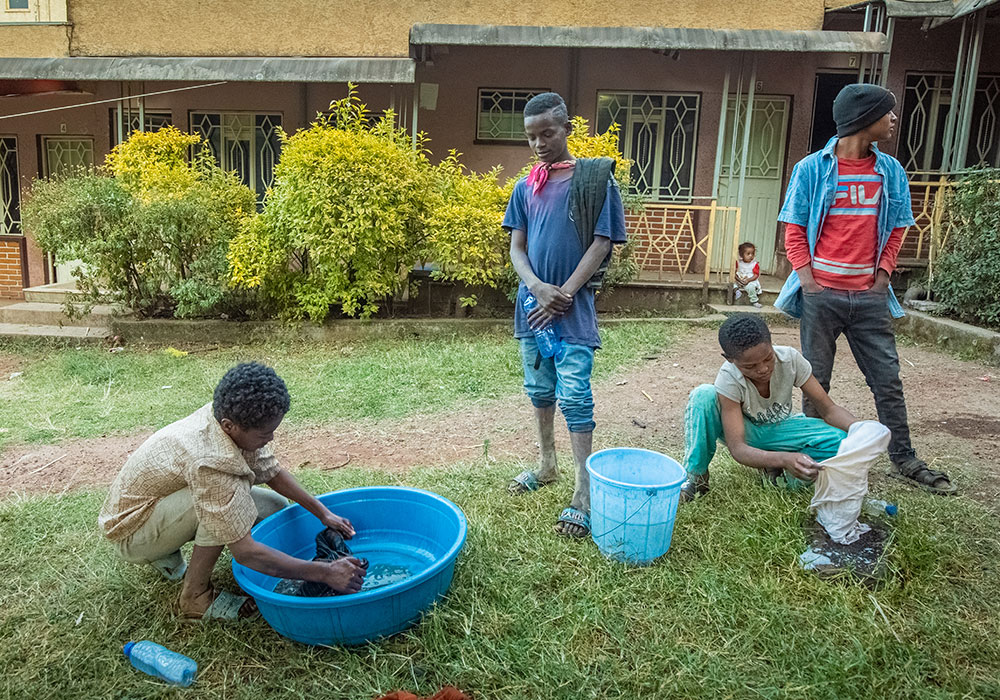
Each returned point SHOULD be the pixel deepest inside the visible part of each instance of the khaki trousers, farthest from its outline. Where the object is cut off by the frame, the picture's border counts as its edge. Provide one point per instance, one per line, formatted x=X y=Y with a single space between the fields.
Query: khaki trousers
x=173 y=523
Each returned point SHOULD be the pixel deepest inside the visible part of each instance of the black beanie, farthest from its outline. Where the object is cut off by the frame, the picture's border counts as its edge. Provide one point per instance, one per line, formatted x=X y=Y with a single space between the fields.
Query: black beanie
x=859 y=105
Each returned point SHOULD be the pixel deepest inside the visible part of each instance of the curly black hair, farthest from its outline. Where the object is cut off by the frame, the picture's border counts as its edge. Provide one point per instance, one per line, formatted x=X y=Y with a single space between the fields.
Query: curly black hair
x=740 y=332
x=250 y=395
x=547 y=102
x=744 y=245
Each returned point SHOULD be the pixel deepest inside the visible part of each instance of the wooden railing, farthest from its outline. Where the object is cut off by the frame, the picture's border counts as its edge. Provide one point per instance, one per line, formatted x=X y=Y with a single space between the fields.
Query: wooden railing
x=668 y=240
x=929 y=213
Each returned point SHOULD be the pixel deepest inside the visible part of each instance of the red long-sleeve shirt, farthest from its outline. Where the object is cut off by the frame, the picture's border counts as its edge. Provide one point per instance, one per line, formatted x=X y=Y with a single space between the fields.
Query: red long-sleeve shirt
x=847 y=247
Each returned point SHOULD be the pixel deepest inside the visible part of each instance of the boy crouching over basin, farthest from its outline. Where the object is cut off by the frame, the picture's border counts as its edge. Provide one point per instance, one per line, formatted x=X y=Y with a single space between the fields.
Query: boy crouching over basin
x=749 y=407
x=196 y=479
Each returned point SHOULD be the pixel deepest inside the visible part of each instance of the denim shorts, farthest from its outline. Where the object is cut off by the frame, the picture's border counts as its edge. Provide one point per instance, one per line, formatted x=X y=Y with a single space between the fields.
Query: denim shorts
x=566 y=380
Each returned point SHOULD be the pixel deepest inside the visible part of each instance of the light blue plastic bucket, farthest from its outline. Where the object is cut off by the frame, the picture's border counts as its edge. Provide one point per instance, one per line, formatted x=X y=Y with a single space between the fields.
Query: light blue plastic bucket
x=633 y=503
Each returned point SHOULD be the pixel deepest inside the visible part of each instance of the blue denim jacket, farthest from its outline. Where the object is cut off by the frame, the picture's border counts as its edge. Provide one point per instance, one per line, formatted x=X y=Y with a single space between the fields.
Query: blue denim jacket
x=811 y=192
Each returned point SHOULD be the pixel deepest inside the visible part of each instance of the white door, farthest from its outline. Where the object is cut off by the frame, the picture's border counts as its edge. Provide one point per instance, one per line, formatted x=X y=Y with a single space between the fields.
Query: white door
x=762 y=184
x=61 y=155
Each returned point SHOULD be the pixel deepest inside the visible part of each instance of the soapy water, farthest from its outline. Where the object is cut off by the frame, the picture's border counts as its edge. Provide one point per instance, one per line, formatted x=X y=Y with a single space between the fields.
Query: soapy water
x=384 y=574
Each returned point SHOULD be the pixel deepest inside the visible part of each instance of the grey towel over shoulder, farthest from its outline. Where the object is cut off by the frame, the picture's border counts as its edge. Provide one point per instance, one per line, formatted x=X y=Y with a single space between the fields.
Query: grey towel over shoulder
x=588 y=190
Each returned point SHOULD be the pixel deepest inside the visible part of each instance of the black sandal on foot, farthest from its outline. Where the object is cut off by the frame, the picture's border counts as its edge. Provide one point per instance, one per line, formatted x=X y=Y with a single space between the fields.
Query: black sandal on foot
x=915 y=472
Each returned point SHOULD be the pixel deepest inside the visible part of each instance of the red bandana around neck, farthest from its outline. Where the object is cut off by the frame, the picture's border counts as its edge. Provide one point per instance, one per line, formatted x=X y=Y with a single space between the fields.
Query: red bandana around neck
x=539 y=174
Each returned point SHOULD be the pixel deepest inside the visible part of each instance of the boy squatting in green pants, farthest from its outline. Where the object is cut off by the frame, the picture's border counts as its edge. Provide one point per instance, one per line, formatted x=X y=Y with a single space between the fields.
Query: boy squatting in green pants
x=750 y=409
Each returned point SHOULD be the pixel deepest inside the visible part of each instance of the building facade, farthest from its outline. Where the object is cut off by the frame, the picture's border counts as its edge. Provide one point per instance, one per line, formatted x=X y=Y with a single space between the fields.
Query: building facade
x=77 y=76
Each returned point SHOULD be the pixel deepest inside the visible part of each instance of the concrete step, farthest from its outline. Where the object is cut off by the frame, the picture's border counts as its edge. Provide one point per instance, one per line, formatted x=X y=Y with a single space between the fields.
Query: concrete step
x=81 y=333
x=56 y=293
x=767 y=311
x=45 y=314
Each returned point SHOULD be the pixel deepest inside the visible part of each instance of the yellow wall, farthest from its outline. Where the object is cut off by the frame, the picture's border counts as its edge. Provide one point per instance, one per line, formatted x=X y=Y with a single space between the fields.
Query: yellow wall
x=26 y=41
x=379 y=27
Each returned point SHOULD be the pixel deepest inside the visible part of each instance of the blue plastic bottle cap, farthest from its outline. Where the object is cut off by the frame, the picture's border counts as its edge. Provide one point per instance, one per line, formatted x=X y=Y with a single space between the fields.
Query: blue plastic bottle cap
x=128 y=649
x=892 y=509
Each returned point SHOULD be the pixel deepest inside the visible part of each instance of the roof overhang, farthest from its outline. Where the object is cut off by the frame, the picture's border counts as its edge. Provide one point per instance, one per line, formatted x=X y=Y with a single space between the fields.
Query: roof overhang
x=657 y=38
x=926 y=8
x=184 y=68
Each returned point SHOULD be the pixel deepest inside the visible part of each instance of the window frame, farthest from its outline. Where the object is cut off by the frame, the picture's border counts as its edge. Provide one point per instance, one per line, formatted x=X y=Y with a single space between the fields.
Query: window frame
x=113 y=122
x=252 y=114
x=43 y=151
x=495 y=141
x=17 y=229
x=8 y=8
x=944 y=83
x=686 y=197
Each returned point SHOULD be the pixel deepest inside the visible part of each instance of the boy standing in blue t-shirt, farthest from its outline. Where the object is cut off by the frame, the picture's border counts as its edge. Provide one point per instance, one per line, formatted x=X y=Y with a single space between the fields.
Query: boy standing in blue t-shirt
x=548 y=254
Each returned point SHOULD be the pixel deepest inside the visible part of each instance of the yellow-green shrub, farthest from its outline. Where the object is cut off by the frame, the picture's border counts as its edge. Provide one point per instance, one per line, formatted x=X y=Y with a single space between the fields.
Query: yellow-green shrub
x=342 y=220
x=152 y=227
x=462 y=225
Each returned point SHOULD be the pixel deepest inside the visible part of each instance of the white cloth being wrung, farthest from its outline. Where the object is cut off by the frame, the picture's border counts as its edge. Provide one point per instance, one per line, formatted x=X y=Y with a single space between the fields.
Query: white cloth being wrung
x=843 y=482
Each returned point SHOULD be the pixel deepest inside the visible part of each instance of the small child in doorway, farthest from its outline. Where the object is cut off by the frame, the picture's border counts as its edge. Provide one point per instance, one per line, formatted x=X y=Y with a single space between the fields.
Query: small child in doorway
x=749 y=408
x=748 y=274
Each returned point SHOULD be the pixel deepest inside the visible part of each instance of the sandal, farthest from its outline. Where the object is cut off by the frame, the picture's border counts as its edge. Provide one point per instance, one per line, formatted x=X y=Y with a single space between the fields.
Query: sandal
x=172 y=567
x=525 y=482
x=915 y=472
x=695 y=485
x=226 y=606
x=573 y=516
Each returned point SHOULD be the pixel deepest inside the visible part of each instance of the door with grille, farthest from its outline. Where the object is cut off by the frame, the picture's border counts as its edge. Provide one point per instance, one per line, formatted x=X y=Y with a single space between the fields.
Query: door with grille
x=762 y=186
x=61 y=156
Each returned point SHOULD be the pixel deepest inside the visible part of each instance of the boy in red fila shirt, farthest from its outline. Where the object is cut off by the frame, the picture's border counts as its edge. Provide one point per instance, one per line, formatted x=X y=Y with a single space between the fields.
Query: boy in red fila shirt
x=846 y=210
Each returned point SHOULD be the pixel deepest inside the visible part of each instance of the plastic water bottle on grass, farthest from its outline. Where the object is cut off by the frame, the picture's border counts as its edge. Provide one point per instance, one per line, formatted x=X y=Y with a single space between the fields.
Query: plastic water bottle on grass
x=159 y=661
x=548 y=339
x=876 y=508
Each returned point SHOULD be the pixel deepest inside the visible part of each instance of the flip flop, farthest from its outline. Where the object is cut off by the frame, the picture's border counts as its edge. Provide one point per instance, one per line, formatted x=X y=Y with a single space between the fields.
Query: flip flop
x=525 y=482
x=225 y=606
x=172 y=567
x=915 y=472
x=573 y=516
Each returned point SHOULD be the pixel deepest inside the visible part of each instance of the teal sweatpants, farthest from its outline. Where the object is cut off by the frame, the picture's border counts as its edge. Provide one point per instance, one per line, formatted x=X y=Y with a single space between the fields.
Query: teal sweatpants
x=703 y=430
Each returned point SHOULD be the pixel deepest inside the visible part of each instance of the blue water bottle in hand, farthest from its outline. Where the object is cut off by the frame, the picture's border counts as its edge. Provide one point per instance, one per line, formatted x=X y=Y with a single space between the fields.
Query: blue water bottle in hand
x=548 y=340
x=159 y=661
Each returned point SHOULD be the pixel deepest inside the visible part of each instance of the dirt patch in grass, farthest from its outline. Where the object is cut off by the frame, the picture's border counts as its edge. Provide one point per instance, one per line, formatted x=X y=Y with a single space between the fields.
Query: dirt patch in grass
x=642 y=406
x=8 y=365
x=965 y=425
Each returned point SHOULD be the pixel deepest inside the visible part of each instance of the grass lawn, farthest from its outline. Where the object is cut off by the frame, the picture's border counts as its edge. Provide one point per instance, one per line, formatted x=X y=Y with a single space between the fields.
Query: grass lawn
x=88 y=391
x=727 y=613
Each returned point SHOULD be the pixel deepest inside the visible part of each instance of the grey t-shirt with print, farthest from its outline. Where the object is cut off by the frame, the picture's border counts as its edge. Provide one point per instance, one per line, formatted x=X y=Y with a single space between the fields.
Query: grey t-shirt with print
x=791 y=369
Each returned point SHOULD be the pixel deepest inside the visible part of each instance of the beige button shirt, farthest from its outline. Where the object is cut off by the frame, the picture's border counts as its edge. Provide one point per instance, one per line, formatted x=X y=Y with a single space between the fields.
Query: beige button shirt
x=192 y=453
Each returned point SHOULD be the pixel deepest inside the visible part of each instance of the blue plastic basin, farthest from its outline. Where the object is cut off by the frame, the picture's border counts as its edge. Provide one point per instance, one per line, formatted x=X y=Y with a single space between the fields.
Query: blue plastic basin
x=633 y=502
x=401 y=531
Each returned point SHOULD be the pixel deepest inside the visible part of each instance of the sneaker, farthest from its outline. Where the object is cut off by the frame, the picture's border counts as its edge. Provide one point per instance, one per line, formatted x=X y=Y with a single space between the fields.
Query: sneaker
x=756 y=305
x=739 y=293
x=694 y=486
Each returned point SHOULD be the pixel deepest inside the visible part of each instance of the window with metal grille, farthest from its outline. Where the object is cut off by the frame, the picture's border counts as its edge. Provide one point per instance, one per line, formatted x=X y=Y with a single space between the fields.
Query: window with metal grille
x=153 y=121
x=61 y=155
x=10 y=190
x=501 y=114
x=658 y=134
x=926 y=103
x=248 y=144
